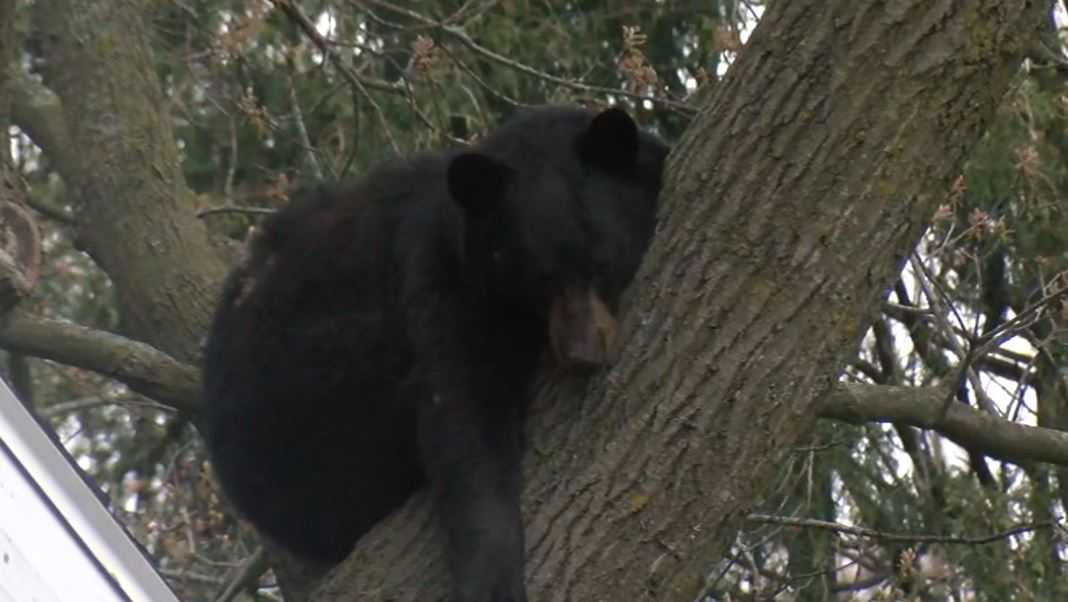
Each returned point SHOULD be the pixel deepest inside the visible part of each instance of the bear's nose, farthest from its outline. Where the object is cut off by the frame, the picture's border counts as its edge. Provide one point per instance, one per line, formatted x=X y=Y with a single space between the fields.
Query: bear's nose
x=586 y=352
x=582 y=330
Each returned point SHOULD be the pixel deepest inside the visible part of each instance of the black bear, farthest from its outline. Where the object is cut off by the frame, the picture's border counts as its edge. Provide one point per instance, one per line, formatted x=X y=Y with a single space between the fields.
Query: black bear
x=385 y=336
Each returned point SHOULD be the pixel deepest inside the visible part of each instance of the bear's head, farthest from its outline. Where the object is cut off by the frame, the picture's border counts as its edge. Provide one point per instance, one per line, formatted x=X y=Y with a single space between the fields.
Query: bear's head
x=559 y=207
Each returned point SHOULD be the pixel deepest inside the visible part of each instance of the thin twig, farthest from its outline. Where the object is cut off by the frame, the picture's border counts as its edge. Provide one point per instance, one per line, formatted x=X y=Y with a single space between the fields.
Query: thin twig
x=235 y=209
x=324 y=46
x=812 y=523
x=310 y=152
x=76 y=405
x=924 y=276
x=460 y=35
x=358 y=82
x=246 y=576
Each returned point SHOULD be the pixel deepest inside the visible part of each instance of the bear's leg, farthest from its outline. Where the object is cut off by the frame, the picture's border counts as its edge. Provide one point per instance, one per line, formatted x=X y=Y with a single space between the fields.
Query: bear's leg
x=472 y=457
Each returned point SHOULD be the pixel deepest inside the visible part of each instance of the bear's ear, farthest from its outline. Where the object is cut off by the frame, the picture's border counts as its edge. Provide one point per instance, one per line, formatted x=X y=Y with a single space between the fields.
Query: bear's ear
x=477 y=182
x=611 y=141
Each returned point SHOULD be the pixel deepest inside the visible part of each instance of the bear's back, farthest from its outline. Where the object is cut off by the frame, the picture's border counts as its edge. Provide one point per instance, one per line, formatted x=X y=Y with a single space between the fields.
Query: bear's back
x=308 y=331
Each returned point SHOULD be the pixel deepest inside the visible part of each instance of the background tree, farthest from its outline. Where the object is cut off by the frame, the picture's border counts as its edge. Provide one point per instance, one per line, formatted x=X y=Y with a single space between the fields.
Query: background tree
x=152 y=135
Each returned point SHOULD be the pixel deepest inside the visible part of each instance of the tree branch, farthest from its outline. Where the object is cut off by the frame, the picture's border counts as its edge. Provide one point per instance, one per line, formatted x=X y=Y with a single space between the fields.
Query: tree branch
x=139 y=366
x=460 y=35
x=964 y=425
x=295 y=15
x=244 y=576
x=155 y=374
x=78 y=405
x=38 y=112
x=812 y=523
x=124 y=168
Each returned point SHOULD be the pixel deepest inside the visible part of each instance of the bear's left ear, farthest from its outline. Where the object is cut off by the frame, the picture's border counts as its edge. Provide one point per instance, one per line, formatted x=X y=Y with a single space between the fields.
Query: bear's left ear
x=611 y=141
x=477 y=182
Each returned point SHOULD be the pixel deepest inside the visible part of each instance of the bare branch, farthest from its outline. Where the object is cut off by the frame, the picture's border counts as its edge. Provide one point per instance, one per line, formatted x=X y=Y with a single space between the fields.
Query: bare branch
x=358 y=82
x=812 y=523
x=235 y=209
x=964 y=425
x=246 y=575
x=77 y=405
x=38 y=112
x=457 y=33
x=295 y=15
x=138 y=365
x=311 y=154
x=461 y=36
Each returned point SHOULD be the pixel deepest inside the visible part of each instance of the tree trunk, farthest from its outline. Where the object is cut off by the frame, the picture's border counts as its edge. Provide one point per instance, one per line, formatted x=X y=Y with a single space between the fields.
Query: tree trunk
x=790 y=204
x=137 y=219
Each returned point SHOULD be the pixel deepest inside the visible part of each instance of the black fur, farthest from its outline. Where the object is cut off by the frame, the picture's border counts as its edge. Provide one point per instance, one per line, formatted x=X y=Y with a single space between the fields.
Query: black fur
x=386 y=334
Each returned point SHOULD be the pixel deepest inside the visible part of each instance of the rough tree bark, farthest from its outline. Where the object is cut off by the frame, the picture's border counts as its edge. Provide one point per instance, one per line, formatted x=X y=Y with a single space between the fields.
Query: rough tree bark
x=136 y=218
x=789 y=205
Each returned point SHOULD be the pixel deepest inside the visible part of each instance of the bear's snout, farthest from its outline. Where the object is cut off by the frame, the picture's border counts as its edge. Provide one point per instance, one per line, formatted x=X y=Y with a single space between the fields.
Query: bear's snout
x=582 y=330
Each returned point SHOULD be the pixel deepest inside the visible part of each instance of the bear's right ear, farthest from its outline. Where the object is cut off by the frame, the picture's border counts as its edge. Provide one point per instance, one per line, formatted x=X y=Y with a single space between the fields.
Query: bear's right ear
x=477 y=182
x=611 y=141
